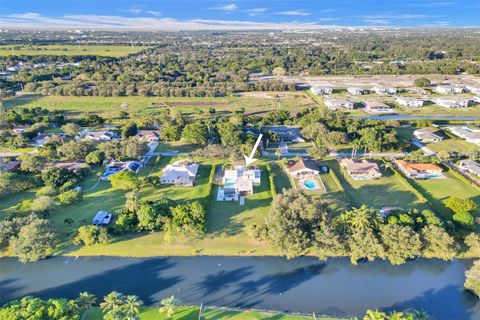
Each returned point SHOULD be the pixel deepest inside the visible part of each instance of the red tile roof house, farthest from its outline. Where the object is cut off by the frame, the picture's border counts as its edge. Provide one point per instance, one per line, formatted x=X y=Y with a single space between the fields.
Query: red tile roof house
x=302 y=167
x=419 y=170
x=361 y=170
x=148 y=135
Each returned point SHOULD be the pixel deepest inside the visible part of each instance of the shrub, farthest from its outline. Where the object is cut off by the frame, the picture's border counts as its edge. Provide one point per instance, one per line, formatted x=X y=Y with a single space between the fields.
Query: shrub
x=46 y=191
x=464 y=218
x=90 y=235
x=70 y=196
x=42 y=204
x=257 y=232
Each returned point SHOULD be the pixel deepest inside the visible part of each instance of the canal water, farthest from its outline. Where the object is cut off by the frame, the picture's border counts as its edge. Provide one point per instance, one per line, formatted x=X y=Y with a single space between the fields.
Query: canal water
x=335 y=287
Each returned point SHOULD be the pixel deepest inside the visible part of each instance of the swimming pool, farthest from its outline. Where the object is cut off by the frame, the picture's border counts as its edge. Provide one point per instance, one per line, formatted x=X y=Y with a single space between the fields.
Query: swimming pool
x=309 y=184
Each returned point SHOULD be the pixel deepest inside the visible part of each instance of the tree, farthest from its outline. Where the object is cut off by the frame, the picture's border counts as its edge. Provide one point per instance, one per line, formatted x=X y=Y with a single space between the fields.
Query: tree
x=363 y=218
x=71 y=129
x=31 y=163
x=327 y=241
x=437 y=243
x=278 y=71
x=400 y=242
x=125 y=180
x=465 y=219
x=195 y=133
x=293 y=220
x=131 y=306
x=112 y=301
x=189 y=217
x=57 y=177
x=150 y=216
x=422 y=82
x=459 y=205
x=170 y=132
x=443 y=155
x=134 y=149
x=74 y=150
x=363 y=243
x=34 y=241
x=95 y=157
x=129 y=130
x=168 y=305
x=472 y=241
x=42 y=204
x=230 y=134
x=37 y=309
x=85 y=301
x=90 y=235
x=70 y=196
x=472 y=281
x=318 y=152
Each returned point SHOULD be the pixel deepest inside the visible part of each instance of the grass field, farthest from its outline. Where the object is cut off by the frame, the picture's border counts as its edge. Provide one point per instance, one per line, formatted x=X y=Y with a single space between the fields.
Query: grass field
x=388 y=191
x=451 y=145
x=192 y=313
x=179 y=146
x=109 y=107
x=69 y=50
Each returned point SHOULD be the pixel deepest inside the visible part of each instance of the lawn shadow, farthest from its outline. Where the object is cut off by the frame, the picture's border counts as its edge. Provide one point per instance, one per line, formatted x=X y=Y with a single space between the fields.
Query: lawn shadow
x=21 y=100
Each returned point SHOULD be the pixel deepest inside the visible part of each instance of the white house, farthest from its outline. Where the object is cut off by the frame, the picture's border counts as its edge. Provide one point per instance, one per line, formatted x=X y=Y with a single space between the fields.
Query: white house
x=302 y=167
x=357 y=91
x=180 y=173
x=338 y=103
x=410 y=102
x=426 y=135
x=148 y=135
x=474 y=89
x=115 y=167
x=467 y=134
x=101 y=135
x=376 y=107
x=238 y=182
x=452 y=102
x=382 y=90
x=448 y=89
x=320 y=91
x=470 y=166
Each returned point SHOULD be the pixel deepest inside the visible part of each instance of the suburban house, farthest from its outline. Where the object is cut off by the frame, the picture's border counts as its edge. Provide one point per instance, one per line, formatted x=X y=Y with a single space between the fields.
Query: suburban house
x=115 y=167
x=148 y=135
x=101 y=135
x=474 y=89
x=467 y=134
x=238 y=182
x=320 y=91
x=470 y=166
x=286 y=133
x=448 y=89
x=180 y=173
x=358 y=91
x=410 y=102
x=7 y=166
x=302 y=167
x=452 y=102
x=419 y=170
x=361 y=170
x=376 y=107
x=427 y=135
x=72 y=166
x=43 y=138
x=338 y=104
x=382 y=90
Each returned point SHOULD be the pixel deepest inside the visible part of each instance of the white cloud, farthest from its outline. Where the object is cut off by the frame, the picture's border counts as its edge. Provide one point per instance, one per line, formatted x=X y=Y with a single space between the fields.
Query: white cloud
x=227 y=8
x=377 y=21
x=255 y=11
x=294 y=13
x=155 y=13
x=135 y=10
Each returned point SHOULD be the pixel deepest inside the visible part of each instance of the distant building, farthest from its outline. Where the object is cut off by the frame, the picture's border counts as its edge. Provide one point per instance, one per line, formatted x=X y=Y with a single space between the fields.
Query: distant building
x=382 y=90
x=376 y=107
x=467 y=134
x=148 y=135
x=72 y=166
x=410 y=102
x=338 y=104
x=286 y=133
x=358 y=91
x=180 y=173
x=361 y=170
x=470 y=166
x=452 y=102
x=427 y=135
x=102 y=135
x=320 y=91
x=419 y=170
x=474 y=89
x=448 y=89
x=302 y=167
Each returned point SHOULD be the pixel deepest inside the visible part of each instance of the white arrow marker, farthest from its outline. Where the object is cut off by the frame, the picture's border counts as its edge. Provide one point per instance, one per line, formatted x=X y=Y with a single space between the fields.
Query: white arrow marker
x=251 y=159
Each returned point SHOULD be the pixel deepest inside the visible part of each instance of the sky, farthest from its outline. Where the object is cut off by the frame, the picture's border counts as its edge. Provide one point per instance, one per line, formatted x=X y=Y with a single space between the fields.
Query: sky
x=172 y=15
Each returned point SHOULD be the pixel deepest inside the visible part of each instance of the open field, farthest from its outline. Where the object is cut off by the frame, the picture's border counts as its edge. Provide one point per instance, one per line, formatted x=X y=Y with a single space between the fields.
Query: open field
x=179 y=146
x=69 y=50
x=388 y=191
x=192 y=313
x=109 y=107
x=451 y=145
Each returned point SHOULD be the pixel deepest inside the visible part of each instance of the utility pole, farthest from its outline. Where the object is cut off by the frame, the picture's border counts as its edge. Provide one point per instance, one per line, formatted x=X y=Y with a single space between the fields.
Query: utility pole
x=200 y=311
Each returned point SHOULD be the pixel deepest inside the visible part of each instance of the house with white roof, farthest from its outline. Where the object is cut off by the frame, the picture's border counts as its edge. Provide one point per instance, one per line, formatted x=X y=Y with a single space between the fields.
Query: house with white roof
x=470 y=166
x=427 y=135
x=320 y=91
x=449 y=89
x=376 y=107
x=338 y=104
x=238 y=181
x=100 y=135
x=452 y=102
x=410 y=102
x=383 y=90
x=466 y=133
x=148 y=135
x=358 y=91
x=180 y=173
x=115 y=167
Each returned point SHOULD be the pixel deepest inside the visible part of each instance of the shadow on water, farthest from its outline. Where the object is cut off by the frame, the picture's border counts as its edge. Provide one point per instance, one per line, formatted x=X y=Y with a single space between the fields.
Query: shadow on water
x=143 y=279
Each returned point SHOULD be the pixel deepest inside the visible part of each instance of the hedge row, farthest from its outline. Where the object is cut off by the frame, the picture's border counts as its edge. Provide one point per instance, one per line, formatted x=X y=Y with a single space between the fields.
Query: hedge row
x=271 y=179
x=211 y=179
x=461 y=177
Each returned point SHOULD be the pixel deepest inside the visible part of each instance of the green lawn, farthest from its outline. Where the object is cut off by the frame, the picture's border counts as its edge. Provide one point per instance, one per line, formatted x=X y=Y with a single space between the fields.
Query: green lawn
x=191 y=313
x=69 y=50
x=180 y=146
x=451 y=145
x=388 y=191
x=281 y=179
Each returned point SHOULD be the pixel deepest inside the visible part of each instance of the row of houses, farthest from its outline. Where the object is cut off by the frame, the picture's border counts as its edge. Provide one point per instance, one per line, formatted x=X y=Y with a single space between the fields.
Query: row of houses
x=108 y=135
x=347 y=104
x=466 y=133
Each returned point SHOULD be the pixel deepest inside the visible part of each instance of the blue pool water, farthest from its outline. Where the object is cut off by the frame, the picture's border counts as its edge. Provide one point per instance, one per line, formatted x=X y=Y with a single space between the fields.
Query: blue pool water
x=309 y=184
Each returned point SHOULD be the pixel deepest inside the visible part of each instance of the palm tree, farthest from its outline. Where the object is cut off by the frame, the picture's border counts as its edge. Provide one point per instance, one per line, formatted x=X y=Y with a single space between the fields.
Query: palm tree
x=131 y=306
x=168 y=305
x=112 y=301
x=131 y=204
x=364 y=218
x=278 y=153
x=85 y=301
x=420 y=315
